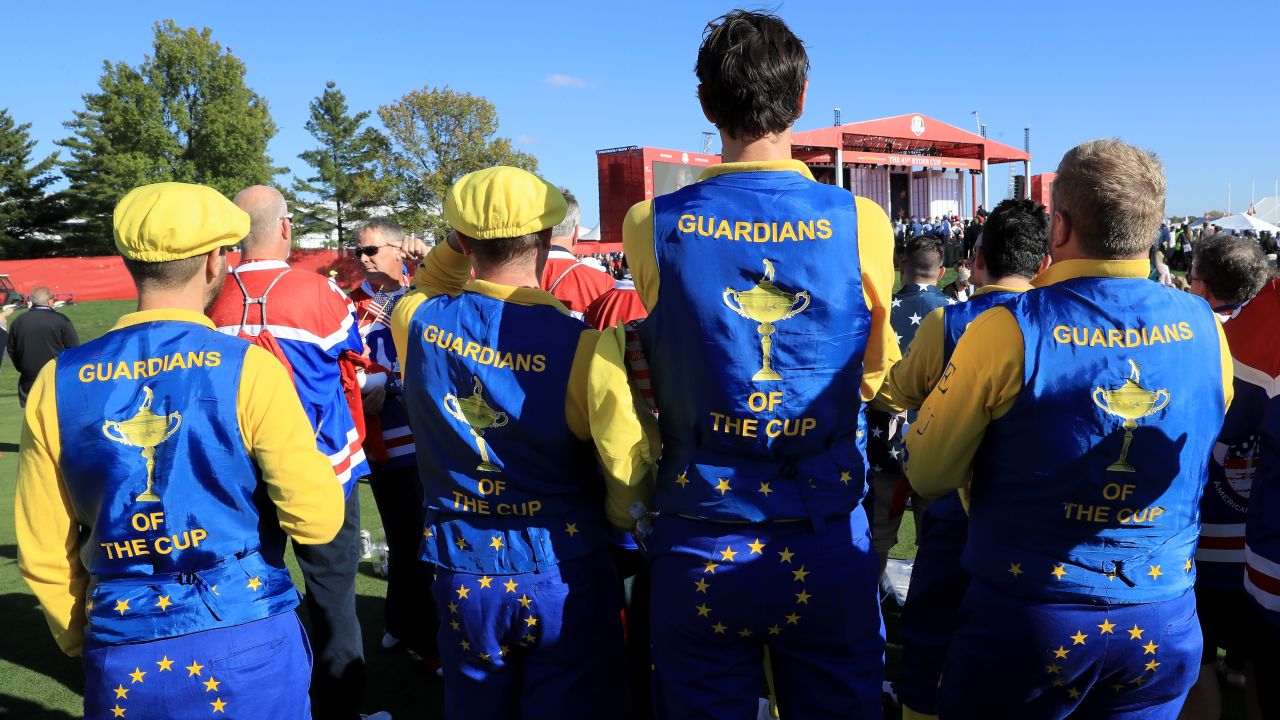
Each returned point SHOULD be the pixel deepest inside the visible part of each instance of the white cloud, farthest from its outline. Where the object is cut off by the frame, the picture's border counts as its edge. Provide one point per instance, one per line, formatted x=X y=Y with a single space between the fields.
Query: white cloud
x=564 y=81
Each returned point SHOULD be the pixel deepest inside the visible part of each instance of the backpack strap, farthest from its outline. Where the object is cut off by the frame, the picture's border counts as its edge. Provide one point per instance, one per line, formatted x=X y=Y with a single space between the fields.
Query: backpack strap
x=261 y=301
x=563 y=275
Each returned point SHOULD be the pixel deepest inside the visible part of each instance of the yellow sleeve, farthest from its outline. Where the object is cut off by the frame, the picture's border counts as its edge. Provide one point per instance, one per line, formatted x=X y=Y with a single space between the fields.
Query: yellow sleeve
x=910 y=379
x=442 y=272
x=625 y=434
x=875 y=254
x=979 y=385
x=1228 y=369
x=276 y=432
x=45 y=523
x=637 y=243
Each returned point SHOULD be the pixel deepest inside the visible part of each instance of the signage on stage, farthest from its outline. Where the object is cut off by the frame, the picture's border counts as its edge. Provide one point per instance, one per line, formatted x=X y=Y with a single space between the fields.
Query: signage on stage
x=925 y=161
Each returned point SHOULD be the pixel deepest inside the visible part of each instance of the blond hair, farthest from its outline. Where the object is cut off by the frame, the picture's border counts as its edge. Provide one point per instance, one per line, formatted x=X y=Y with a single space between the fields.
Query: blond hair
x=1114 y=194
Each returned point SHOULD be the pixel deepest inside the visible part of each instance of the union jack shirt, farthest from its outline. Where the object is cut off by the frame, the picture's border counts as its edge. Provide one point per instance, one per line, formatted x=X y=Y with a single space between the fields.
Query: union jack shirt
x=373 y=318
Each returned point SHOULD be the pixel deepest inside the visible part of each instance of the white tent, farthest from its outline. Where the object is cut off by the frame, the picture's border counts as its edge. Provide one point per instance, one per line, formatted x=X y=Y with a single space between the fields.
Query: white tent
x=1268 y=209
x=591 y=234
x=1241 y=221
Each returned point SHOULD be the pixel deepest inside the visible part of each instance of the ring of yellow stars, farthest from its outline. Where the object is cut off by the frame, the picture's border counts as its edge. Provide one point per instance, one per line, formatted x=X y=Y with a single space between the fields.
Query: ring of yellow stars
x=194 y=669
x=845 y=476
x=1155 y=572
x=800 y=574
x=722 y=484
x=1015 y=569
x=525 y=601
x=571 y=528
x=1152 y=665
x=1059 y=571
x=466 y=646
x=461 y=543
x=711 y=567
x=1073 y=693
x=453 y=607
x=486 y=581
x=211 y=685
x=775 y=630
x=719 y=629
x=792 y=619
x=1053 y=668
x=455 y=624
x=219 y=706
x=496 y=542
x=254 y=584
x=1078 y=638
x=122 y=692
x=163 y=603
x=137 y=675
x=703 y=610
x=462 y=592
x=122 y=606
x=165 y=664
x=511 y=586
x=757 y=547
x=1107 y=627
x=744 y=632
x=764 y=489
x=802 y=598
x=1135 y=633
x=531 y=621
x=682 y=479
x=1061 y=653
x=117 y=711
x=702 y=585
x=1149 y=648
x=728 y=554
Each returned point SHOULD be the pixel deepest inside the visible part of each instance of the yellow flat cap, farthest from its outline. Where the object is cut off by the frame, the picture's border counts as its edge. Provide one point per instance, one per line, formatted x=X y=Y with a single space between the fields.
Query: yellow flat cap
x=171 y=221
x=503 y=202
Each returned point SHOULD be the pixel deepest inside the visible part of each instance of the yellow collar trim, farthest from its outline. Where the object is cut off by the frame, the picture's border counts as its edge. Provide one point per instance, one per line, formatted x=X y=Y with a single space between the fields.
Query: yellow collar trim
x=159 y=314
x=1071 y=269
x=757 y=166
x=985 y=289
x=513 y=294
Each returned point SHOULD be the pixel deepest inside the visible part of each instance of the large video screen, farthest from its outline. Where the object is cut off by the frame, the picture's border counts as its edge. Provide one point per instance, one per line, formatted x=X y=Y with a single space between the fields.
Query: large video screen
x=670 y=177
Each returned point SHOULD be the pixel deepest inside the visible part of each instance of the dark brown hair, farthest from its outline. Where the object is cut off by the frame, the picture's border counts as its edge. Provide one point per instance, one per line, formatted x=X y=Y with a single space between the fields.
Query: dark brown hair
x=752 y=69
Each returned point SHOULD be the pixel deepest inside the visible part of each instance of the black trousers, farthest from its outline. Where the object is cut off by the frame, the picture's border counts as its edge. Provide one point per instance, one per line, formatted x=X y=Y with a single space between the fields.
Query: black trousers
x=329 y=575
x=410 y=610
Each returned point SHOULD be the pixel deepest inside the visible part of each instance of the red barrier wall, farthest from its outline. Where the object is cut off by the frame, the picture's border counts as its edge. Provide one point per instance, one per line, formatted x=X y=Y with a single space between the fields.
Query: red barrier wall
x=105 y=278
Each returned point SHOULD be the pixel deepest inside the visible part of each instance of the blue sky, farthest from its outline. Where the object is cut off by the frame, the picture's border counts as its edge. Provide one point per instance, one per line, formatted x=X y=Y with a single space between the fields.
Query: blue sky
x=1199 y=83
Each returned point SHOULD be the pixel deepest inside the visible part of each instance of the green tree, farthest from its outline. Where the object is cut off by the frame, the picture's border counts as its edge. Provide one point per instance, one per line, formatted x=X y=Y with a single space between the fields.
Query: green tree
x=344 y=184
x=184 y=114
x=437 y=135
x=28 y=212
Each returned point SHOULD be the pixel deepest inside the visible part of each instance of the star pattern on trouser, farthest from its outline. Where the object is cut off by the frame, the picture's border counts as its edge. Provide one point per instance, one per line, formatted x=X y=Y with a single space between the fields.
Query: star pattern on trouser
x=757 y=547
x=511 y=586
x=764 y=489
x=485 y=581
x=682 y=479
x=211 y=685
x=137 y=675
x=1078 y=638
x=786 y=555
x=728 y=554
x=701 y=585
x=722 y=484
x=1107 y=627
x=193 y=670
x=165 y=664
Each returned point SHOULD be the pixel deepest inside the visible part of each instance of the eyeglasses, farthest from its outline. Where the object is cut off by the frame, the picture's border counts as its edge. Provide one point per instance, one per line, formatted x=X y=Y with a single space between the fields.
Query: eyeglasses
x=369 y=250
x=286 y=216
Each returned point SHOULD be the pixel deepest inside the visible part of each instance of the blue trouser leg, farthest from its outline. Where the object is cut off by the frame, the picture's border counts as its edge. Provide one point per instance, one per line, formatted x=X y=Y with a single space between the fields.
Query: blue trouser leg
x=329 y=574
x=259 y=669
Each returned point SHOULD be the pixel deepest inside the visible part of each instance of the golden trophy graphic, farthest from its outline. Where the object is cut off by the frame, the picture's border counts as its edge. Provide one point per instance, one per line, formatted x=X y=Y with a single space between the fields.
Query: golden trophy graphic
x=477 y=414
x=1132 y=402
x=767 y=304
x=145 y=430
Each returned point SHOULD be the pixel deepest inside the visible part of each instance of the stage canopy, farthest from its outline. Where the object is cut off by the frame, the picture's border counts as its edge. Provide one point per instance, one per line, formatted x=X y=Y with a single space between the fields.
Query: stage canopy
x=1242 y=222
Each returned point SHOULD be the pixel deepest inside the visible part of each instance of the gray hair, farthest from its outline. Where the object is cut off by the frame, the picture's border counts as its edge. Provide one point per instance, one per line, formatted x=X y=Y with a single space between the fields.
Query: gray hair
x=389 y=229
x=41 y=296
x=569 y=225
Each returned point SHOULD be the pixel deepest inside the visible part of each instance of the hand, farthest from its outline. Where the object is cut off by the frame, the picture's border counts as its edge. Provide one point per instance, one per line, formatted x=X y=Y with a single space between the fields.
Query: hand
x=374 y=399
x=5 y=312
x=412 y=250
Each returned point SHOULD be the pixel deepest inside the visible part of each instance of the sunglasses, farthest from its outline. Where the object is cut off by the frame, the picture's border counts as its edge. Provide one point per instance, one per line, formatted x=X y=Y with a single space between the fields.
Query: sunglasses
x=369 y=250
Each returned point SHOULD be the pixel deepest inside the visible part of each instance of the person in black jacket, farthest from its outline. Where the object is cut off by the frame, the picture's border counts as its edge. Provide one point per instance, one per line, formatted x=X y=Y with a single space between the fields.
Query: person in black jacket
x=36 y=337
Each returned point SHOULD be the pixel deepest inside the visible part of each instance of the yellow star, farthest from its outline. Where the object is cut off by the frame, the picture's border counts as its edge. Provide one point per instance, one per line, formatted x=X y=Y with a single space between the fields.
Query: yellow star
x=764 y=489
x=702 y=586
x=711 y=568
x=1152 y=665
x=1059 y=683
x=682 y=479
x=792 y=619
x=1059 y=571
x=428 y=533
x=1053 y=668
x=525 y=601
x=1015 y=569
x=485 y=657
x=1073 y=693
x=88 y=607
x=137 y=675
x=1135 y=633
x=496 y=542
x=571 y=528
x=486 y=581
x=728 y=554
x=462 y=592
x=215 y=591
x=722 y=484
x=1188 y=567
x=455 y=624
x=531 y=621
x=719 y=629
x=466 y=646
x=1118 y=687
x=511 y=586
x=219 y=706
x=786 y=555
x=211 y=685
x=163 y=603
x=757 y=547
x=503 y=650
x=1139 y=681
x=1155 y=572
x=194 y=669
x=1107 y=627
x=461 y=542
x=744 y=632
x=122 y=692
x=453 y=608
x=775 y=630
x=845 y=476
x=1078 y=638
x=802 y=598
x=254 y=584
x=1061 y=652
x=703 y=610
x=165 y=664
x=122 y=606
x=117 y=711
x=1149 y=648
x=800 y=574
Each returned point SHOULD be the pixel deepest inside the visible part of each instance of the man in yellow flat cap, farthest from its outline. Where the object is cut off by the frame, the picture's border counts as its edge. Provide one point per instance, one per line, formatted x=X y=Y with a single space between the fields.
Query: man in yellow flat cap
x=161 y=467
x=513 y=402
